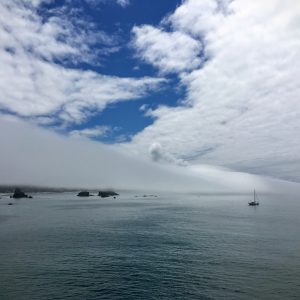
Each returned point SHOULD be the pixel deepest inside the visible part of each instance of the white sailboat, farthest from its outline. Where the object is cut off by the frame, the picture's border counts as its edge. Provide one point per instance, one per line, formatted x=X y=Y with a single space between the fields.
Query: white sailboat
x=254 y=202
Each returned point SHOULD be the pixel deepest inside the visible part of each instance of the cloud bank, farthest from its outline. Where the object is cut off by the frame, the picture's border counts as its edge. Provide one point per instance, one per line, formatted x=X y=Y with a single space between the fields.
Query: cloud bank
x=242 y=106
x=35 y=156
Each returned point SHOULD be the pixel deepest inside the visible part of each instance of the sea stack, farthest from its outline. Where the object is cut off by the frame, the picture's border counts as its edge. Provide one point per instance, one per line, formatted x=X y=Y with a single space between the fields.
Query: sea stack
x=19 y=194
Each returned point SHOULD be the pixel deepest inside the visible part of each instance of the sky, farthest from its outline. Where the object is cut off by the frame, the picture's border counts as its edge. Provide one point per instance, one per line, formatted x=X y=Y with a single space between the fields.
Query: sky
x=193 y=87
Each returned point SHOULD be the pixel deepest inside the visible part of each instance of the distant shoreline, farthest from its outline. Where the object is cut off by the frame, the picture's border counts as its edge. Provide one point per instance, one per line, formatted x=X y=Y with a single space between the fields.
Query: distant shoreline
x=35 y=189
x=8 y=189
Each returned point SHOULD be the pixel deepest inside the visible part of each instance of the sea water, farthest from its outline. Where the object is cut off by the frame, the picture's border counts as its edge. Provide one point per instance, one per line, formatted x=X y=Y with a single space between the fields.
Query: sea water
x=176 y=246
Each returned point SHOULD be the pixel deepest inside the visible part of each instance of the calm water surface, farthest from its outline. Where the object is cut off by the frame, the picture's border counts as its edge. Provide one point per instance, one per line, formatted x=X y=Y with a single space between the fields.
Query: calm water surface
x=59 y=246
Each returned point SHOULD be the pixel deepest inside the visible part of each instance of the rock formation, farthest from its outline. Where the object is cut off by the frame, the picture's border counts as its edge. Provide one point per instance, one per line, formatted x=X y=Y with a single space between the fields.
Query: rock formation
x=83 y=194
x=20 y=194
x=105 y=194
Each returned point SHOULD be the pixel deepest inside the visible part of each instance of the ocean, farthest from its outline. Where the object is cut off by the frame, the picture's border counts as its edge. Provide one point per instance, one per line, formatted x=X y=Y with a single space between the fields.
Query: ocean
x=174 y=246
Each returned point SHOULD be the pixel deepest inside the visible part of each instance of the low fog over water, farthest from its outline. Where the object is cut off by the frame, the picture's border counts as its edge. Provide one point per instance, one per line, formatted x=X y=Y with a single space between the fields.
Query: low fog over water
x=35 y=156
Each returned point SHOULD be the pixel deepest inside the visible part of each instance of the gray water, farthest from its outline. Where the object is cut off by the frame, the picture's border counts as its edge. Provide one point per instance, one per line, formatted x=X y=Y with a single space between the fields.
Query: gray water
x=58 y=246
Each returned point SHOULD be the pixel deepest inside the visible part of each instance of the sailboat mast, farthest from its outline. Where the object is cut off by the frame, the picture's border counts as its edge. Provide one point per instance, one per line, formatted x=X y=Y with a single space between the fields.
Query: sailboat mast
x=254 y=202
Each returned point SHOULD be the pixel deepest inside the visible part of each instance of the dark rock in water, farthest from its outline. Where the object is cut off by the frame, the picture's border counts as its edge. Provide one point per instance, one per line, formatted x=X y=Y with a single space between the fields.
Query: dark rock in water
x=83 y=194
x=19 y=194
x=30 y=197
x=105 y=194
x=10 y=203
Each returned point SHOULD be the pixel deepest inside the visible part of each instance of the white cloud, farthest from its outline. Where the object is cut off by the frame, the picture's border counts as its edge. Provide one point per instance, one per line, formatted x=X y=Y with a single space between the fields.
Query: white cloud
x=199 y=17
x=168 y=51
x=61 y=36
x=123 y=3
x=158 y=154
x=35 y=3
x=97 y=131
x=34 y=85
x=242 y=108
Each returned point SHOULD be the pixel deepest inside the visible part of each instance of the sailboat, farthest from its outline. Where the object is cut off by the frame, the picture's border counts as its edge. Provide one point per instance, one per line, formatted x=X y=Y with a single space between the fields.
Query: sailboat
x=254 y=202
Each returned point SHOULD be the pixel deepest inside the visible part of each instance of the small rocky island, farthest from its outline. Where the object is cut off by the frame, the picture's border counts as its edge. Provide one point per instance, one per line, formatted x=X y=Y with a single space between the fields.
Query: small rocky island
x=102 y=194
x=18 y=193
x=105 y=194
x=84 y=194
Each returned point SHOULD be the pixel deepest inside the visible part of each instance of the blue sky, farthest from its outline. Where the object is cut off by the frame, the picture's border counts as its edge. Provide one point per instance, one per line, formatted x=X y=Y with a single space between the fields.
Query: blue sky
x=186 y=83
x=126 y=119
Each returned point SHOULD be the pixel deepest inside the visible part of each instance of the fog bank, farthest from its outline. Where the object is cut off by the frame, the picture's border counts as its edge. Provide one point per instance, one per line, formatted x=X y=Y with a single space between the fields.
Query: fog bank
x=35 y=156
